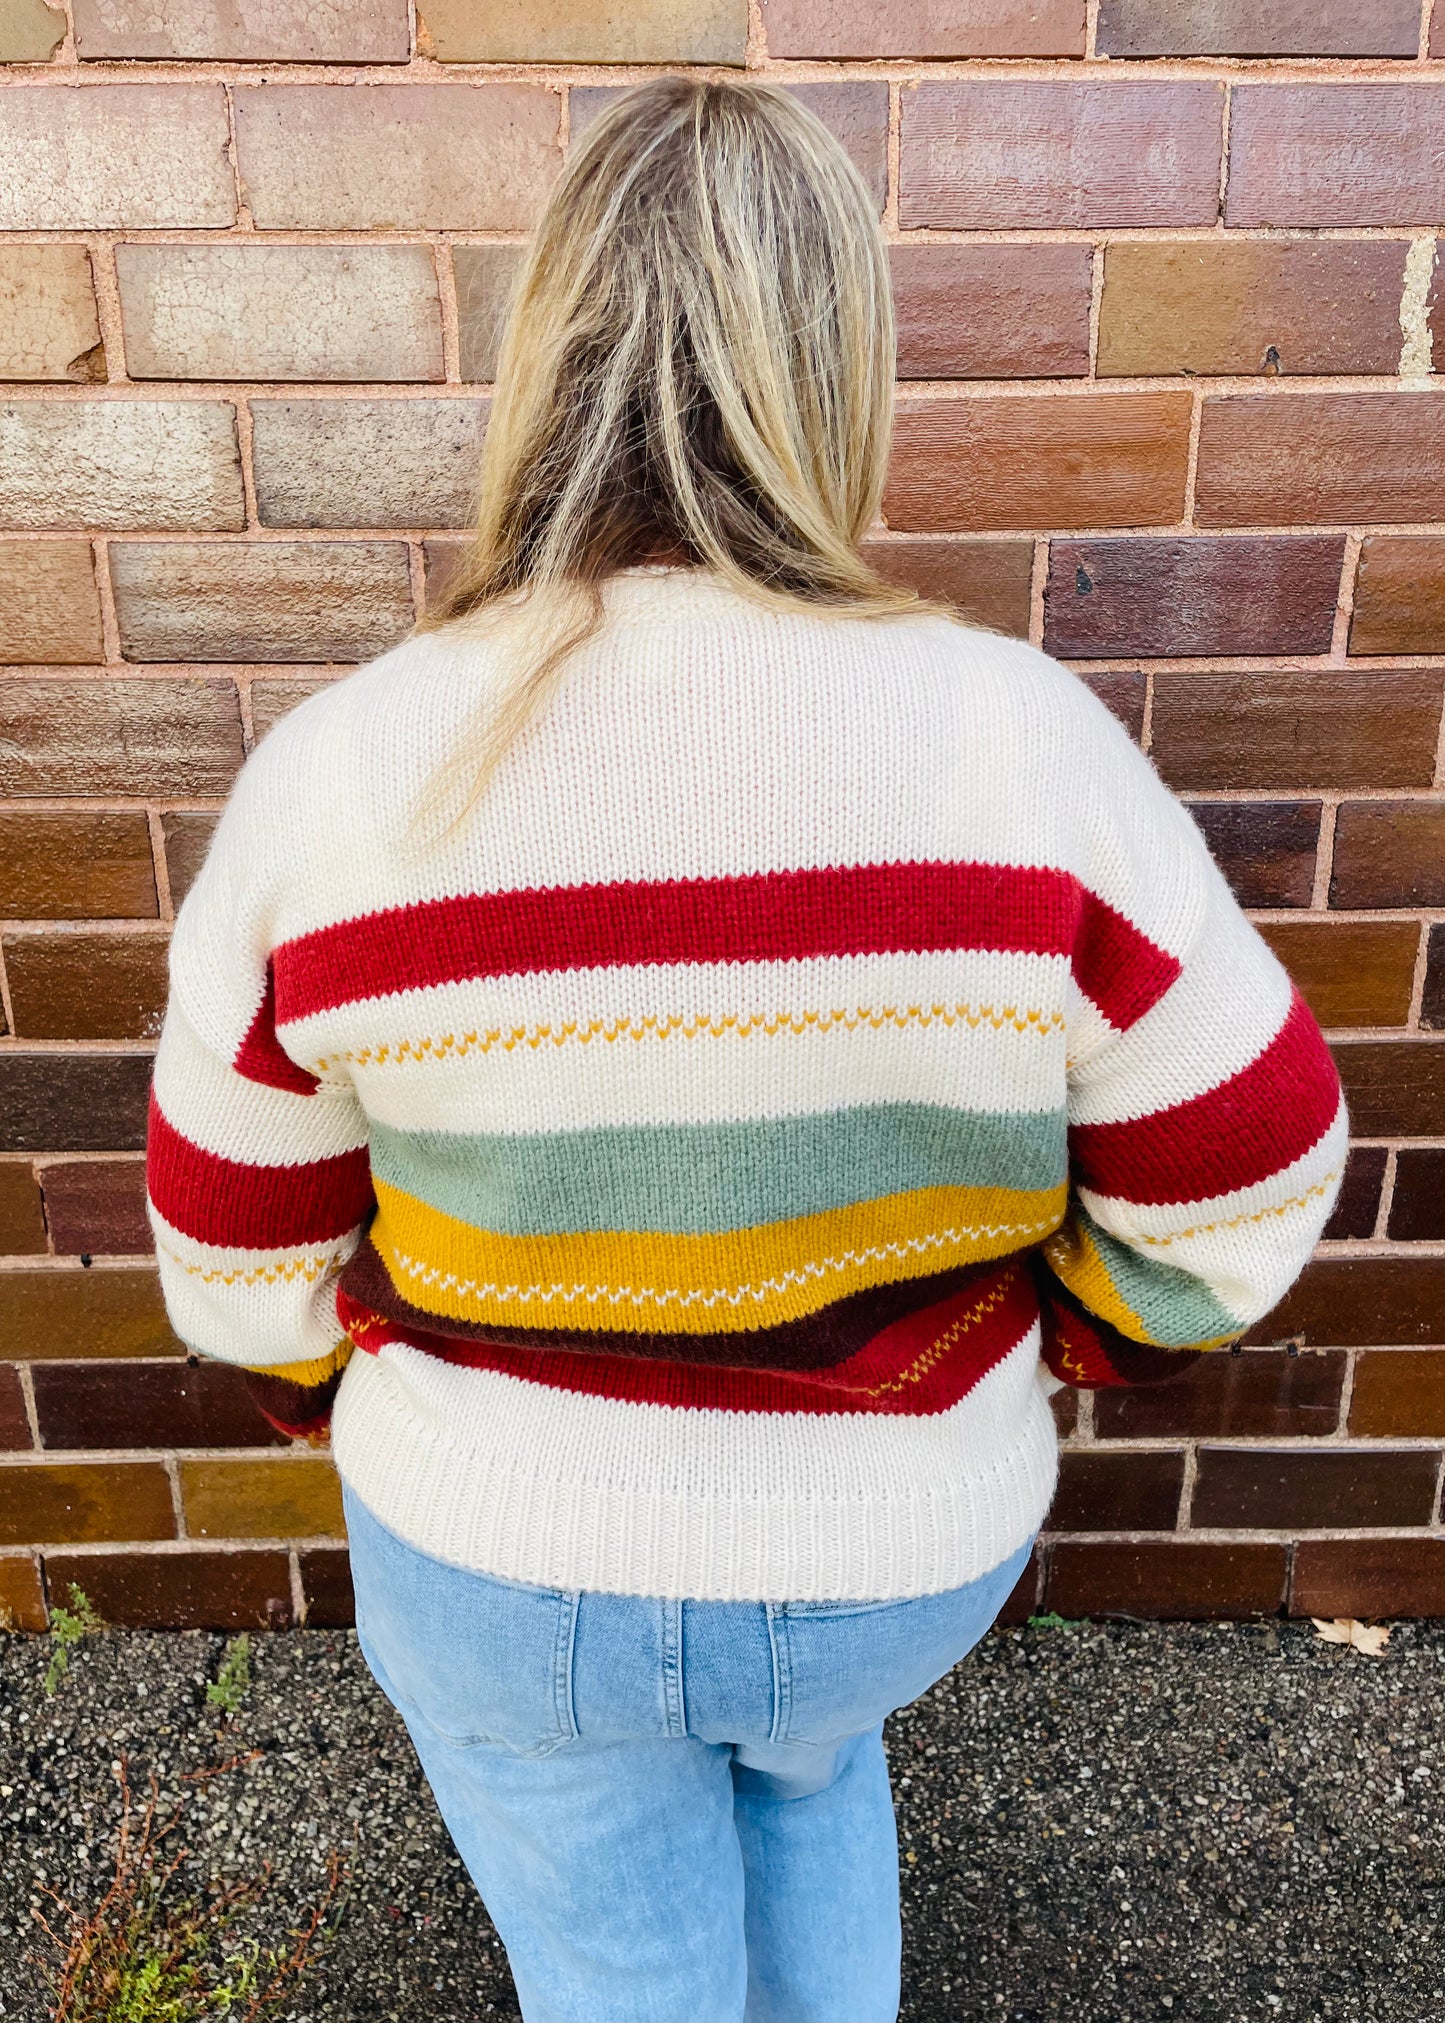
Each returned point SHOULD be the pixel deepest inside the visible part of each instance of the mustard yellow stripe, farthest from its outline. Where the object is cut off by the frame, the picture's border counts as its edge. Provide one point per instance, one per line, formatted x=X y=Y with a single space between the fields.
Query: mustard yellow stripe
x=319 y=1369
x=1077 y=1260
x=699 y=1284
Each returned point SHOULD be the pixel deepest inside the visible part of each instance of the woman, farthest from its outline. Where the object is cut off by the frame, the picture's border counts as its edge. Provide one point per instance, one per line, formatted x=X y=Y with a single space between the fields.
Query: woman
x=715 y=1033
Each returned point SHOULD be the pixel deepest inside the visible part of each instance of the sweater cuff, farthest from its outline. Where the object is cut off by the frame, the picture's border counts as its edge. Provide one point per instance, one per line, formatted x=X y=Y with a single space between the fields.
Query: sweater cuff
x=1082 y=1350
x=297 y=1397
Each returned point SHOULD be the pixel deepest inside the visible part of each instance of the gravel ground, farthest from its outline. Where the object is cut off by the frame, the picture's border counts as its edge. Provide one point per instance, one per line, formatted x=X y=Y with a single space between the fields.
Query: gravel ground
x=1104 y=1823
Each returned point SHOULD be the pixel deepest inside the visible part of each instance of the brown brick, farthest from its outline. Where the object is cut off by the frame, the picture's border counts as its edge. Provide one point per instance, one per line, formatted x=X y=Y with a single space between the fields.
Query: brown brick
x=987 y=581
x=1122 y=692
x=326 y=1584
x=397 y=157
x=570 y=31
x=1336 y=154
x=1400 y=595
x=1289 y=1489
x=1256 y=1393
x=1279 y=730
x=1251 y=305
x=1023 y=1602
x=187 y=836
x=1350 y=1302
x=90 y=986
x=96 y=1207
x=991 y=311
x=262 y=31
x=1399 y=1393
x=203 y=1404
x=485 y=277
x=1060 y=152
x=1266 y=849
x=48 y=324
x=14 y=1422
x=119 y=737
x=22 y=1595
x=1240 y=28
x=273 y=600
x=49 y=606
x=1074 y=460
x=1117 y=1492
x=64 y=1503
x=1188 y=1578
x=1320 y=457
x=82 y=866
x=1366 y=1577
x=192 y=1589
x=30 y=32
x=841 y=28
x=1351 y=972
x=1065 y=1407
x=1432 y=1006
x=280 y=312
x=441 y=557
x=1357 y=1205
x=271 y=700
x=1417 y=1208
x=66 y=1102
x=22 y=1226
x=128 y=157
x=291 y=1497
x=1395 y=1088
x=368 y=463
x=164 y=464
x=1389 y=853
x=1219 y=594
x=101 y=1312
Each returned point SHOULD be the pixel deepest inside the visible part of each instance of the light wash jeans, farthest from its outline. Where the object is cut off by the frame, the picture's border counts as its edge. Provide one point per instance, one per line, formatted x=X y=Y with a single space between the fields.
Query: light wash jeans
x=675 y=1812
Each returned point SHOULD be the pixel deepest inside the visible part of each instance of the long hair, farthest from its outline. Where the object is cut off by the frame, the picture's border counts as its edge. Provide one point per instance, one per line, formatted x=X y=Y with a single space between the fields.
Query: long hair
x=697 y=369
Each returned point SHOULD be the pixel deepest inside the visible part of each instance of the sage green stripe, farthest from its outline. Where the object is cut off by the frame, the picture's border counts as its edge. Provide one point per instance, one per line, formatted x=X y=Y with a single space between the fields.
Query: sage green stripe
x=1177 y=1308
x=702 y=1179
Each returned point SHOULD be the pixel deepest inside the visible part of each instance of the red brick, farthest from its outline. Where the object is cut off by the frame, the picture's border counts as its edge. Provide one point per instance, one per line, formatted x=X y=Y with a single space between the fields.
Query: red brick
x=1289 y=1489
x=1173 y=1578
x=22 y=1226
x=103 y=1312
x=1073 y=460
x=367 y=463
x=1161 y=595
x=22 y=1597
x=193 y=1589
x=171 y=465
x=1389 y=853
x=1117 y=1492
x=49 y=605
x=1023 y=1601
x=1065 y=1407
x=1351 y=972
x=326 y=1584
x=1320 y=457
x=1242 y=28
x=128 y=157
x=14 y=1421
x=1349 y=1302
x=262 y=31
x=119 y=737
x=260 y=600
x=1432 y=1007
x=91 y=986
x=1417 y=1207
x=1357 y=1206
x=1261 y=1392
x=1400 y=595
x=96 y=1206
x=1206 y=306
x=1395 y=1088
x=1122 y=692
x=78 y=1503
x=66 y=1102
x=1266 y=849
x=1286 y=730
x=1336 y=154
x=561 y=31
x=81 y=866
x=986 y=581
x=842 y=28
x=991 y=311
x=271 y=700
x=1368 y=1577
x=485 y=277
x=177 y=1404
x=187 y=838
x=1399 y=1393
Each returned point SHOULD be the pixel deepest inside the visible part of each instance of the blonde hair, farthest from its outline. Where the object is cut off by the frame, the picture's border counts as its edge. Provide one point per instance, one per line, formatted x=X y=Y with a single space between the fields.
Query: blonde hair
x=697 y=369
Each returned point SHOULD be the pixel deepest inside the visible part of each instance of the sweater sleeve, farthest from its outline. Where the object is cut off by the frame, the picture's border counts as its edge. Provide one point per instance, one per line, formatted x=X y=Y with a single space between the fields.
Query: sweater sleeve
x=1207 y=1131
x=257 y=1172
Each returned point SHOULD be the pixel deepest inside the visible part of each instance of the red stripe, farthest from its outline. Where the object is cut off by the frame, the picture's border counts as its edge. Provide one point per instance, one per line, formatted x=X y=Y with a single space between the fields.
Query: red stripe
x=261 y=1056
x=1085 y=1351
x=1245 y=1130
x=922 y=1364
x=221 y=1201
x=860 y=909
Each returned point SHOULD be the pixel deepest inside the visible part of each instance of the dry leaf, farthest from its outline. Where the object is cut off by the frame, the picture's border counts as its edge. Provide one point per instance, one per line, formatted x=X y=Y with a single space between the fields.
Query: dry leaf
x=1371 y=1638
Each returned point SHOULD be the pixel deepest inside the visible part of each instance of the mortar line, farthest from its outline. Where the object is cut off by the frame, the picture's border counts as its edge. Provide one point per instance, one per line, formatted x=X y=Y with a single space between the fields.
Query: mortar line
x=1096 y=304
x=1417 y=986
x=105 y=593
x=1381 y=1231
x=893 y=190
x=1189 y=1476
x=1038 y=584
x=1422 y=52
x=27 y=1393
x=298 y=1592
x=160 y=867
x=1339 y=648
x=1191 y=464
x=1226 y=139
x=105 y=281
x=7 y=1008
x=449 y=311
x=1324 y=855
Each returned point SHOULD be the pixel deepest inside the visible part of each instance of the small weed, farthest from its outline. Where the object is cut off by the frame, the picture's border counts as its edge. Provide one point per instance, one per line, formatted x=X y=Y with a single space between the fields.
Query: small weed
x=69 y=1627
x=233 y=1680
x=1052 y=1622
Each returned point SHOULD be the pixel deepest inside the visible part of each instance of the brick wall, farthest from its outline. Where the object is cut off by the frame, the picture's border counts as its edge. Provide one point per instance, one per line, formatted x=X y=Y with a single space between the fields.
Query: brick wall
x=1167 y=287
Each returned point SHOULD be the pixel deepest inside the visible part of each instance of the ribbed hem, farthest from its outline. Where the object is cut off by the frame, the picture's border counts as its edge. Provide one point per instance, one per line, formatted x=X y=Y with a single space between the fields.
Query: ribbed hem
x=560 y=1489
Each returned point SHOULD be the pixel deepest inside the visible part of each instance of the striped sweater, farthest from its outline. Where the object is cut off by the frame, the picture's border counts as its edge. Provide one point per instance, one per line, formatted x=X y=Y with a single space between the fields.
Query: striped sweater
x=824 y=1029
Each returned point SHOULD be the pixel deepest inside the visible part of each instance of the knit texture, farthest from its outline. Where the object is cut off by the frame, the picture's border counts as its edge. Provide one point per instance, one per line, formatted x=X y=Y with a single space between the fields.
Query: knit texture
x=824 y=1027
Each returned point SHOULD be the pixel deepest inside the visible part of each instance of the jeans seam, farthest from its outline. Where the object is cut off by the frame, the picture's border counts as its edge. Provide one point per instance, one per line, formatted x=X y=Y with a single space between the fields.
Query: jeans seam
x=782 y=1671
x=672 y=1668
x=564 y=1662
